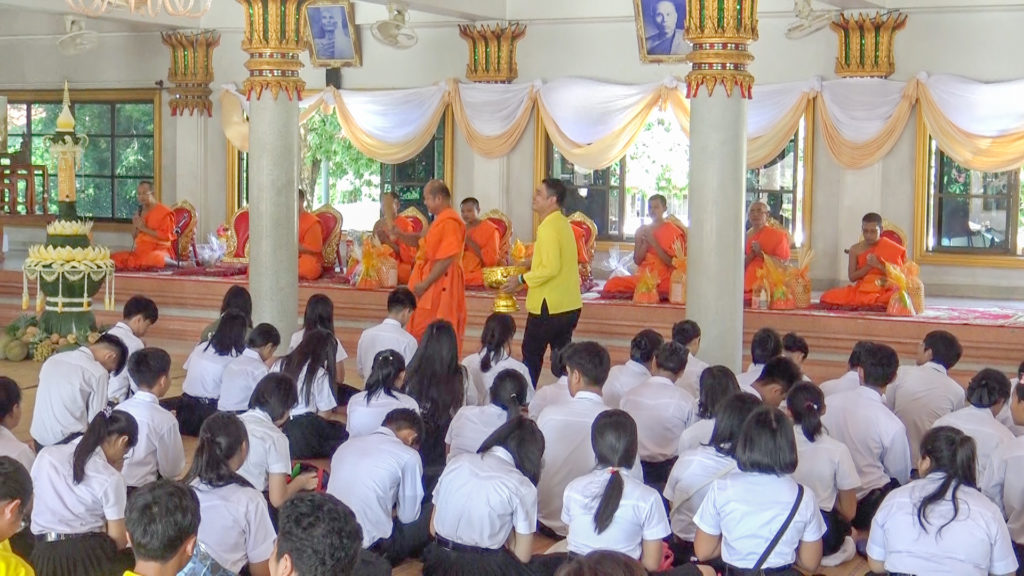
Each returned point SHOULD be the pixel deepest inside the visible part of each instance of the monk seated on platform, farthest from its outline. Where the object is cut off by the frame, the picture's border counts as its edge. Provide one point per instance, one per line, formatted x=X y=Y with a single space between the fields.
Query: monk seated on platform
x=154 y=234
x=399 y=234
x=653 y=250
x=763 y=239
x=867 y=269
x=482 y=244
x=311 y=242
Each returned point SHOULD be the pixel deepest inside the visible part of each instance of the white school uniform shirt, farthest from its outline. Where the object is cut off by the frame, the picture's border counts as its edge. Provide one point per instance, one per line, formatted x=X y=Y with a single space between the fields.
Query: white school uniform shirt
x=481 y=498
x=364 y=418
x=696 y=435
x=622 y=379
x=239 y=380
x=1006 y=418
x=72 y=391
x=119 y=386
x=748 y=509
x=689 y=380
x=388 y=335
x=747 y=379
x=479 y=392
x=235 y=525
x=975 y=543
x=875 y=436
x=845 y=383
x=268 y=450
x=919 y=396
x=825 y=466
x=322 y=398
x=63 y=507
x=204 y=371
x=471 y=426
x=640 y=516
x=549 y=395
x=688 y=483
x=159 y=450
x=11 y=446
x=981 y=425
x=339 y=356
x=662 y=411
x=1003 y=483
x=373 y=475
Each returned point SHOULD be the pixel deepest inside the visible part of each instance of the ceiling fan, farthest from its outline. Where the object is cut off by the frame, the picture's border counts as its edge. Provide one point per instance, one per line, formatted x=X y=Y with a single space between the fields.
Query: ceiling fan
x=808 y=20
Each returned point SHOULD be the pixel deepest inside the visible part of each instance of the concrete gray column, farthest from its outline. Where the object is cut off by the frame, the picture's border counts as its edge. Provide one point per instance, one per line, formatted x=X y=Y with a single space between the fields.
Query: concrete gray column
x=273 y=210
x=714 y=270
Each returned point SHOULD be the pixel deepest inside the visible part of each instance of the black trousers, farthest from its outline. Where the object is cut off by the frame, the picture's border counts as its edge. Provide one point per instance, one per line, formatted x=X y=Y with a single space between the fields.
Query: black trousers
x=406 y=540
x=836 y=531
x=543 y=330
x=192 y=412
x=1018 y=550
x=310 y=436
x=868 y=505
x=656 y=473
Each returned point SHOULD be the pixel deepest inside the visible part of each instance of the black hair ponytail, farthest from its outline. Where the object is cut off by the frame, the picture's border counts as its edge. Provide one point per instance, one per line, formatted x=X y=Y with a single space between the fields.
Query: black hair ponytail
x=614 y=438
x=103 y=426
x=387 y=366
x=498 y=330
x=220 y=438
x=508 y=392
x=806 y=404
x=987 y=388
x=953 y=453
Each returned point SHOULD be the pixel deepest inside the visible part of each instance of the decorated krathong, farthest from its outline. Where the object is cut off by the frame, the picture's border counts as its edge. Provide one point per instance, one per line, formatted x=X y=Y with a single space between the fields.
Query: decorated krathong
x=900 y=303
x=775 y=275
x=677 y=281
x=646 y=291
x=800 y=279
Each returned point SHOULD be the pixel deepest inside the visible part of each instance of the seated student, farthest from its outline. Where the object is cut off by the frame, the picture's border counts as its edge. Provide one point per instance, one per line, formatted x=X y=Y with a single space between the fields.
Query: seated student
x=794 y=347
x=15 y=501
x=635 y=371
x=875 y=436
x=687 y=333
x=204 y=372
x=139 y=314
x=1003 y=480
x=10 y=417
x=162 y=520
x=987 y=393
x=471 y=538
x=78 y=518
x=159 y=452
x=608 y=563
x=717 y=384
x=367 y=409
x=244 y=371
x=473 y=424
x=922 y=394
x=268 y=463
x=389 y=334
x=744 y=513
x=235 y=528
x=555 y=392
x=73 y=390
x=867 y=269
x=482 y=243
x=777 y=377
x=765 y=345
x=494 y=356
x=313 y=430
x=380 y=477
x=941 y=524
x=826 y=467
x=1006 y=416
x=850 y=380
x=236 y=298
x=319 y=313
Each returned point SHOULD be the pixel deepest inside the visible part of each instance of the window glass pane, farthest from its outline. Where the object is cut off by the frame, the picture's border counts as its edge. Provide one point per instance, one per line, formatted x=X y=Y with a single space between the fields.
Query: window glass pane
x=134 y=157
x=127 y=201
x=92 y=119
x=44 y=118
x=972 y=210
x=96 y=160
x=964 y=222
x=614 y=216
x=243 y=179
x=658 y=163
x=95 y=197
x=41 y=154
x=777 y=184
x=17 y=119
x=13 y=143
x=134 y=118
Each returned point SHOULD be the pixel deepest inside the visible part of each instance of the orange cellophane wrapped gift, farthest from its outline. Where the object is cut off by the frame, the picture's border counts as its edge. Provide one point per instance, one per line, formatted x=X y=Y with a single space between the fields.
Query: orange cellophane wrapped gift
x=376 y=262
x=677 y=281
x=646 y=289
x=900 y=303
x=800 y=280
x=776 y=275
x=915 y=287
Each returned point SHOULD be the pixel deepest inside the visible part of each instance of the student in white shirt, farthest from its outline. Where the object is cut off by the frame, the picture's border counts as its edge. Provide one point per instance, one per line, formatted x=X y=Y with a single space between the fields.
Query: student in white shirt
x=73 y=390
x=777 y=377
x=159 y=452
x=236 y=298
x=794 y=347
x=389 y=334
x=473 y=424
x=494 y=356
x=235 y=528
x=851 y=379
x=635 y=371
x=687 y=333
x=555 y=392
x=743 y=511
x=941 y=524
x=10 y=417
x=162 y=520
x=80 y=496
x=244 y=371
x=987 y=393
x=717 y=383
x=765 y=345
x=204 y=372
x=1005 y=416
x=138 y=315
x=319 y=314
x=1003 y=481
x=383 y=393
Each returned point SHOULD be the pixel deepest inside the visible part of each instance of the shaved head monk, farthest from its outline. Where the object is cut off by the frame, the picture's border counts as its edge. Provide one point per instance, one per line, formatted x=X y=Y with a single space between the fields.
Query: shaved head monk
x=867 y=269
x=154 y=233
x=482 y=239
x=398 y=234
x=762 y=240
x=653 y=250
x=311 y=242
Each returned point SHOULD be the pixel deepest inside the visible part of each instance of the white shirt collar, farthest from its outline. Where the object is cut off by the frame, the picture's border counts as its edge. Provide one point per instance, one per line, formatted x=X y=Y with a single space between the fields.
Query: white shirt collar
x=637 y=367
x=391 y=322
x=125 y=326
x=147 y=397
x=869 y=392
x=587 y=396
x=935 y=366
x=254 y=354
x=258 y=413
x=753 y=367
x=384 y=430
x=662 y=380
x=503 y=454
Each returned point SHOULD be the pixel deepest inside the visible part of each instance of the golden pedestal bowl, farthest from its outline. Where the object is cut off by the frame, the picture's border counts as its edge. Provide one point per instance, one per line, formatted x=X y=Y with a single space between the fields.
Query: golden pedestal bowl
x=494 y=278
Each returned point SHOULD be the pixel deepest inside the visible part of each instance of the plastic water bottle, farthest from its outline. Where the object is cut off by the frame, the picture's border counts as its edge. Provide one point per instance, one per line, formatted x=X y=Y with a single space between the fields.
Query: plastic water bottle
x=762 y=299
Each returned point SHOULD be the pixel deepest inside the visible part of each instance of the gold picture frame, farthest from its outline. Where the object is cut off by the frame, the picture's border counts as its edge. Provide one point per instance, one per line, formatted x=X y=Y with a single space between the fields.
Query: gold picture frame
x=324 y=52
x=655 y=45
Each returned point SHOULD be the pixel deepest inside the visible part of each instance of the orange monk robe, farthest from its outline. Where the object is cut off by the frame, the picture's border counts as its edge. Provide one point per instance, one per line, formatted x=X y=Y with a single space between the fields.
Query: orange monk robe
x=871 y=290
x=150 y=252
x=445 y=299
x=774 y=242
x=311 y=237
x=406 y=256
x=487 y=237
x=666 y=236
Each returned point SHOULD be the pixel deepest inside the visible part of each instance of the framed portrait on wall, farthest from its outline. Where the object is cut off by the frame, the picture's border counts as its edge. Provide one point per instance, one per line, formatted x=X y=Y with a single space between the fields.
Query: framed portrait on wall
x=331 y=33
x=659 y=30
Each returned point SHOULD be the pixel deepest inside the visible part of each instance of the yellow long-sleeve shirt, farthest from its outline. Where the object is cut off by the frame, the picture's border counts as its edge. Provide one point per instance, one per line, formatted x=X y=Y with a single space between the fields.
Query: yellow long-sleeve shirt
x=11 y=564
x=554 y=275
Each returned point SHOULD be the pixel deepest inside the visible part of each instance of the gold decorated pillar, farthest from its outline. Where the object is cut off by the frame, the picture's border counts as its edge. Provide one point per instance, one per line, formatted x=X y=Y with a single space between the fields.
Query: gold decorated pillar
x=866 y=44
x=67 y=148
x=492 y=52
x=191 y=70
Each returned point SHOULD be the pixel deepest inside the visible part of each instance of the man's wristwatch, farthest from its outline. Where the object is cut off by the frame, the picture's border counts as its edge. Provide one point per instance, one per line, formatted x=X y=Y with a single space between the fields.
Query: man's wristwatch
x=522 y=280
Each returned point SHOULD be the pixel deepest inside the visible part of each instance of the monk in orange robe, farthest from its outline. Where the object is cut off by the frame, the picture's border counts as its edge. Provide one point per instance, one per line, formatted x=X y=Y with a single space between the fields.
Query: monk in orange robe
x=867 y=269
x=653 y=249
x=762 y=240
x=311 y=243
x=437 y=279
x=154 y=233
x=398 y=234
x=482 y=243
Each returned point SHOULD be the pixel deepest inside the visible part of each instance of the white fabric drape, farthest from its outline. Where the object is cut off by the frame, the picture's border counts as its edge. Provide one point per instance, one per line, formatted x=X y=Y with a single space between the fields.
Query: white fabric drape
x=492 y=108
x=394 y=116
x=587 y=110
x=861 y=107
x=978 y=108
x=772 y=102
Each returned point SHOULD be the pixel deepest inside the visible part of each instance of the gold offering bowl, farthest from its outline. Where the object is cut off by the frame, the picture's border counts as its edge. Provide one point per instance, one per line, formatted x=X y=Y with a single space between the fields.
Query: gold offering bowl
x=494 y=278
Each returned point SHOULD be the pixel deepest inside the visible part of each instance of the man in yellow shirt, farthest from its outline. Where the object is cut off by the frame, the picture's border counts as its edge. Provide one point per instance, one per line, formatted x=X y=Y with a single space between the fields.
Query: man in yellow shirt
x=162 y=519
x=553 y=302
x=15 y=500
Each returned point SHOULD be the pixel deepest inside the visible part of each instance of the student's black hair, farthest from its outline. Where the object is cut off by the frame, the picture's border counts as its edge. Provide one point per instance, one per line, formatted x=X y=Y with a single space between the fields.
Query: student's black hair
x=854 y=361
x=602 y=563
x=685 y=332
x=400 y=299
x=954 y=454
x=115 y=344
x=660 y=198
x=793 y=342
x=644 y=345
x=782 y=371
x=434 y=377
x=118 y=423
x=141 y=306
x=1018 y=390
x=524 y=441
x=275 y=394
x=987 y=388
x=220 y=438
x=15 y=482
x=717 y=383
x=147 y=365
x=160 y=517
x=806 y=403
x=590 y=359
x=388 y=365
x=872 y=218
x=319 y=534
x=499 y=329
x=672 y=357
x=1020 y=370
x=729 y=420
x=766 y=444
x=508 y=392
x=765 y=345
x=315 y=352
x=404 y=419
x=556 y=188
x=879 y=362
x=319 y=313
x=238 y=298
x=262 y=335
x=558 y=361
x=10 y=396
x=614 y=438
x=229 y=338
x=471 y=200
x=945 y=348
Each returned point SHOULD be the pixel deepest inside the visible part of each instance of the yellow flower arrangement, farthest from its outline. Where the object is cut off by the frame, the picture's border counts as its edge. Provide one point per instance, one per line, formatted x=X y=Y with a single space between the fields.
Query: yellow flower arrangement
x=39 y=254
x=69 y=228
